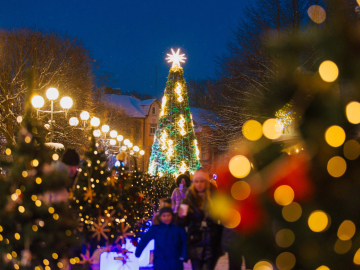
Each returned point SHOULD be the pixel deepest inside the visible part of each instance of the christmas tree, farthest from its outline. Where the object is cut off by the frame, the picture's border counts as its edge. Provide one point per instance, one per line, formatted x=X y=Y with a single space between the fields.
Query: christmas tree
x=175 y=148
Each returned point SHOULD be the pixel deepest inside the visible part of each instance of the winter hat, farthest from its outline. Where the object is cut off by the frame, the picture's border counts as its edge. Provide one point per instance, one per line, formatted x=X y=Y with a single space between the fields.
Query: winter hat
x=183 y=176
x=71 y=158
x=165 y=210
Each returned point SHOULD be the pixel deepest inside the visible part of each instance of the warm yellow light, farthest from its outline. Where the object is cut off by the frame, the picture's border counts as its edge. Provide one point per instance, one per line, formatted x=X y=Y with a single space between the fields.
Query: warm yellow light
x=252 y=130
x=142 y=152
x=318 y=221
x=21 y=209
x=8 y=151
x=183 y=167
x=37 y=101
x=97 y=133
x=285 y=261
x=163 y=106
x=178 y=92
x=113 y=134
x=263 y=265
x=112 y=142
x=119 y=138
x=335 y=136
x=292 y=212
x=346 y=230
x=239 y=166
x=73 y=121
x=84 y=115
x=126 y=141
x=163 y=140
x=357 y=257
x=66 y=103
x=105 y=128
x=170 y=150
x=136 y=148
x=95 y=122
x=353 y=112
x=232 y=219
x=317 y=14
x=271 y=130
x=328 y=71
x=240 y=190
x=130 y=145
x=55 y=157
x=181 y=124
x=176 y=58
x=342 y=247
x=284 y=195
x=351 y=150
x=336 y=166
x=323 y=267
x=52 y=93
x=285 y=238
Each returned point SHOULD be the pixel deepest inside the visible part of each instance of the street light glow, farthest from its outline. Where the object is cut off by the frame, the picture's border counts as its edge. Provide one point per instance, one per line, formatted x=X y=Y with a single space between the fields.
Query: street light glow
x=37 y=102
x=136 y=148
x=123 y=148
x=95 y=122
x=84 y=115
x=126 y=141
x=142 y=152
x=113 y=134
x=120 y=138
x=130 y=145
x=105 y=128
x=52 y=93
x=73 y=121
x=97 y=133
x=66 y=102
x=112 y=142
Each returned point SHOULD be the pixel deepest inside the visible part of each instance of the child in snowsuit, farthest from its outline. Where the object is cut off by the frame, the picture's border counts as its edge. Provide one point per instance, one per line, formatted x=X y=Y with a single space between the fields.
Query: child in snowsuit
x=170 y=243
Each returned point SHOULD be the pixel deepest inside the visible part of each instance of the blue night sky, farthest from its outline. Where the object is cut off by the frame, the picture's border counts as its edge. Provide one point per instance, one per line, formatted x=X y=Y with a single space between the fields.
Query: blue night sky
x=131 y=38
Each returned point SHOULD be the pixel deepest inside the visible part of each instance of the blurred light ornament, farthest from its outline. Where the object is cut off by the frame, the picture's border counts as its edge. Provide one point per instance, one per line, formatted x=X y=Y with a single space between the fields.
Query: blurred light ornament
x=323 y=267
x=239 y=166
x=95 y=122
x=357 y=257
x=142 y=152
x=318 y=221
x=37 y=102
x=19 y=119
x=136 y=148
x=271 y=130
x=342 y=247
x=232 y=218
x=292 y=212
x=130 y=145
x=336 y=166
x=113 y=134
x=317 y=14
x=131 y=152
x=263 y=265
x=105 y=128
x=284 y=195
x=240 y=190
x=84 y=115
x=47 y=126
x=285 y=238
x=126 y=141
x=285 y=261
x=335 y=136
x=328 y=71
x=352 y=150
x=252 y=130
x=97 y=133
x=346 y=230
x=353 y=112
x=112 y=142
x=176 y=58
x=52 y=93
x=73 y=121
x=66 y=103
x=120 y=138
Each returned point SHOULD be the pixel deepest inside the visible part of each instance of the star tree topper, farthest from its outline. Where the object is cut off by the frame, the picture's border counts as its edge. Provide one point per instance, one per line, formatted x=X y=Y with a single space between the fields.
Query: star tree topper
x=176 y=58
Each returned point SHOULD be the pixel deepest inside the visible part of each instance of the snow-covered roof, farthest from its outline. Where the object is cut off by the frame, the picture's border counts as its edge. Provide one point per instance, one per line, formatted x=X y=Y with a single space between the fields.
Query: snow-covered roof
x=132 y=106
x=201 y=118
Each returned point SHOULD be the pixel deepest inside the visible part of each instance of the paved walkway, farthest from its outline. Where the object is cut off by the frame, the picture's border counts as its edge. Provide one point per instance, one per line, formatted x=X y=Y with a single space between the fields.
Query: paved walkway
x=222 y=264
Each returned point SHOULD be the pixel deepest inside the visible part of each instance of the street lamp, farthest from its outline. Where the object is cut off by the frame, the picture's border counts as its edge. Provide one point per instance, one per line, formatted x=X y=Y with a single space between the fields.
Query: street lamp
x=119 y=138
x=66 y=103
x=95 y=122
x=73 y=121
x=126 y=141
x=113 y=134
x=136 y=148
x=97 y=133
x=142 y=152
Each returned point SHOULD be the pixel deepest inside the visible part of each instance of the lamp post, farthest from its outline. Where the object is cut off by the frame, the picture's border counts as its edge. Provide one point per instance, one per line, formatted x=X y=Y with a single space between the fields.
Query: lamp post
x=52 y=94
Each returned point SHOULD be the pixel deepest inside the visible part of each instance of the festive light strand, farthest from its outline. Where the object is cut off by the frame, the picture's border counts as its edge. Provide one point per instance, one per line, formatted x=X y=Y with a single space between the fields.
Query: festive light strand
x=197 y=149
x=181 y=124
x=178 y=91
x=163 y=140
x=170 y=151
x=183 y=167
x=163 y=106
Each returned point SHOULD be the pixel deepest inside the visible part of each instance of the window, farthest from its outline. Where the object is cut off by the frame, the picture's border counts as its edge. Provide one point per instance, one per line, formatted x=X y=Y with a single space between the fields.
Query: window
x=153 y=110
x=153 y=129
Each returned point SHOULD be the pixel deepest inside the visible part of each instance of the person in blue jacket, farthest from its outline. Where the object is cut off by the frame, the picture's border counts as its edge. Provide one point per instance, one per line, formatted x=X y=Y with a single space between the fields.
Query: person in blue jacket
x=170 y=242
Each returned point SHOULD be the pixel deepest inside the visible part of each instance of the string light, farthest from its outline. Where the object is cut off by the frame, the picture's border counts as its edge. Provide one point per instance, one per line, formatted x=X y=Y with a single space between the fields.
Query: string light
x=163 y=106
x=170 y=151
x=183 y=167
x=178 y=91
x=181 y=124
x=197 y=149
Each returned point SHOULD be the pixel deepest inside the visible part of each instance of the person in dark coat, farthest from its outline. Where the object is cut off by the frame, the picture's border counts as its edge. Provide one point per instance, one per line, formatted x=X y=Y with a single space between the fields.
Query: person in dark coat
x=204 y=233
x=170 y=243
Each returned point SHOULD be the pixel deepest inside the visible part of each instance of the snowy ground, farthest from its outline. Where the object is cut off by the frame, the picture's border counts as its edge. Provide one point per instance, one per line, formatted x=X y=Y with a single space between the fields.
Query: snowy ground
x=223 y=264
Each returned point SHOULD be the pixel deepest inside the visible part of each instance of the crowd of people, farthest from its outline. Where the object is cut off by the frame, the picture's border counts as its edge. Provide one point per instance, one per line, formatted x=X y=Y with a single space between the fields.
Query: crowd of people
x=184 y=229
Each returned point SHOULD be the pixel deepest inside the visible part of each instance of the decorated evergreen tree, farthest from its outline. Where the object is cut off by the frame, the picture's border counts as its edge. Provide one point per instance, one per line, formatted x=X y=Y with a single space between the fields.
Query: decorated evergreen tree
x=175 y=149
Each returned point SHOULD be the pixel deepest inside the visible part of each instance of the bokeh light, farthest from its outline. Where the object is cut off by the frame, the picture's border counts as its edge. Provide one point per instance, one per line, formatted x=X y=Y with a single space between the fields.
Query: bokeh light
x=231 y=219
x=285 y=261
x=239 y=166
x=284 y=195
x=317 y=14
x=335 y=136
x=252 y=130
x=285 y=238
x=318 y=221
x=353 y=112
x=342 y=247
x=292 y=212
x=271 y=130
x=240 y=190
x=323 y=267
x=328 y=71
x=263 y=265
x=351 y=150
x=357 y=257
x=336 y=166
x=346 y=230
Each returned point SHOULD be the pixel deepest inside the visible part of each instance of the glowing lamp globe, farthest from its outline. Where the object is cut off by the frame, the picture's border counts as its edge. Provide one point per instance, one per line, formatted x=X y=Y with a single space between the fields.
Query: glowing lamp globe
x=97 y=133
x=123 y=148
x=142 y=152
x=66 y=103
x=73 y=121
x=84 y=115
x=130 y=145
x=113 y=134
x=95 y=122
x=120 y=138
x=37 y=102
x=136 y=148
x=112 y=142
x=105 y=128
x=126 y=141
x=52 y=93
x=131 y=152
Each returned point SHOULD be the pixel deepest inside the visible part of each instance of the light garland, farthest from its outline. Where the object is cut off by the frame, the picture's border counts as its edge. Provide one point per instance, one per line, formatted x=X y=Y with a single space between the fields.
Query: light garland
x=163 y=106
x=285 y=116
x=178 y=91
x=183 y=167
x=170 y=151
x=163 y=140
x=197 y=149
x=152 y=167
x=181 y=124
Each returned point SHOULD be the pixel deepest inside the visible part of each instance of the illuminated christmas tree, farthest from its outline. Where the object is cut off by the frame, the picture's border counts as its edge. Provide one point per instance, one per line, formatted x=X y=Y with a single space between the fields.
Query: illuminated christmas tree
x=175 y=148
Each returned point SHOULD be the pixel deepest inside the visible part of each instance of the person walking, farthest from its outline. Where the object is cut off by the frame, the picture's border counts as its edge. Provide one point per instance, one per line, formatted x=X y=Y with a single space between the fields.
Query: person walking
x=204 y=233
x=183 y=183
x=170 y=243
